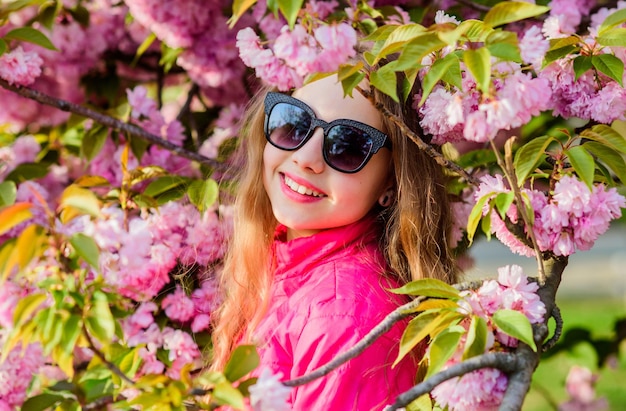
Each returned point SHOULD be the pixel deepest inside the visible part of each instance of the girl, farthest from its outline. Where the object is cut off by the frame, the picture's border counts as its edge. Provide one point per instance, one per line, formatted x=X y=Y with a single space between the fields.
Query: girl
x=335 y=206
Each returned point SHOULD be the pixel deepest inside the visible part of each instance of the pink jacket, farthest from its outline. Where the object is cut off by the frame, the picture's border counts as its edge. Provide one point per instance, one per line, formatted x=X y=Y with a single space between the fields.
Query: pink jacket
x=328 y=293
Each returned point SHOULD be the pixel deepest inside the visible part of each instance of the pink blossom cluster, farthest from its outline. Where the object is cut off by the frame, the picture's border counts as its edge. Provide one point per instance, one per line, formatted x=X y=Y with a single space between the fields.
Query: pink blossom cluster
x=570 y=219
x=484 y=389
x=146 y=114
x=79 y=51
x=565 y=16
x=16 y=373
x=297 y=53
x=138 y=260
x=23 y=150
x=579 y=385
x=456 y=115
x=200 y=28
x=140 y=328
x=268 y=393
x=20 y=67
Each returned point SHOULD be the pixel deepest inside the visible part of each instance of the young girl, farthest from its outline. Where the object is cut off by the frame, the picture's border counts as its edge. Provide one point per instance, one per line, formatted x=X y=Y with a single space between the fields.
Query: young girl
x=335 y=206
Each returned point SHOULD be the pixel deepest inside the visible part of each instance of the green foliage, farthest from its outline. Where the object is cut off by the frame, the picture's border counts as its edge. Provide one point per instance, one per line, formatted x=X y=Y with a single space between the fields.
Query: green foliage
x=30 y=35
x=515 y=324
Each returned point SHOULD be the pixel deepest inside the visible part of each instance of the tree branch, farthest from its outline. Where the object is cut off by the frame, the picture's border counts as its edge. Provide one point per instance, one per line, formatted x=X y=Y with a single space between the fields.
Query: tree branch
x=111 y=122
x=506 y=362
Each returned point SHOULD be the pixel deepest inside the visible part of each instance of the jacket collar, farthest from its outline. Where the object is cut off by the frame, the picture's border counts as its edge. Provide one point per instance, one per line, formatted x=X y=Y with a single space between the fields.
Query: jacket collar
x=295 y=256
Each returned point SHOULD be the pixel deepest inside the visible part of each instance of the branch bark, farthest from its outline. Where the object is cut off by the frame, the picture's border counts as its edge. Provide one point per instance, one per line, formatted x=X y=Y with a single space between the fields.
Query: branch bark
x=111 y=122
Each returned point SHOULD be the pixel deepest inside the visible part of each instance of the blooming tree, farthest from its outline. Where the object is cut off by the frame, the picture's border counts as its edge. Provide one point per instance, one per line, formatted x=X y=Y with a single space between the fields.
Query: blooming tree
x=117 y=126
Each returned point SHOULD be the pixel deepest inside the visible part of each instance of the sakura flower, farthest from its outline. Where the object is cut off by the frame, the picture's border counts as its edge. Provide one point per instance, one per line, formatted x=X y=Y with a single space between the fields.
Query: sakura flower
x=479 y=390
x=268 y=394
x=178 y=306
x=20 y=67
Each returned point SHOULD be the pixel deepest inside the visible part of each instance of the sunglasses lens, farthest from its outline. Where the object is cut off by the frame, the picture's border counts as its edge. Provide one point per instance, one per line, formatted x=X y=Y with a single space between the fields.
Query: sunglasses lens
x=287 y=125
x=346 y=148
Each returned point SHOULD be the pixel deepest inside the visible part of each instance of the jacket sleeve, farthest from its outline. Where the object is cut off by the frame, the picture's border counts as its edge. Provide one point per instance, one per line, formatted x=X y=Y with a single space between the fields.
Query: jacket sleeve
x=366 y=382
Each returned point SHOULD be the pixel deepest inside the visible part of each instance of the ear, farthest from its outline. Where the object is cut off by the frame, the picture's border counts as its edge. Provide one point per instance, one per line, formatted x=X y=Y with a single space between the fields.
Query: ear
x=387 y=197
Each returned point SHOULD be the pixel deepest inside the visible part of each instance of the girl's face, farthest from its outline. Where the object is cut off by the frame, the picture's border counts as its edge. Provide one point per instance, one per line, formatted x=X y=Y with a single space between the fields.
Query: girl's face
x=307 y=195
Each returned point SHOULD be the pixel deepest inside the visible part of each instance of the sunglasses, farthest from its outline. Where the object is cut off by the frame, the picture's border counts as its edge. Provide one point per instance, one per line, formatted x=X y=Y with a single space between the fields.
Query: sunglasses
x=348 y=144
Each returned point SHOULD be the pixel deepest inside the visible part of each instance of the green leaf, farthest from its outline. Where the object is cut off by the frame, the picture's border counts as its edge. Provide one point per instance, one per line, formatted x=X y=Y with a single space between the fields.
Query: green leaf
x=422 y=403
x=428 y=287
x=400 y=36
x=100 y=321
x=516 y=325
x=225 y=394
x=582 y=64
x=503 y=201
x=613 y=38
x=239 y=8
x=476 y=341
x=417 y=329
x=529 y=156
x=87 y=248
x=91 y=181
x=607 y=136
x=609 y=157
x=612 y=20
x=475 y=216
x=443 y=347
x=510 y=11
x=169 y=55
x=26 y=307
x=93 y=141
x=203 y=193
x=81 y=199
x=415 y=50
x=583 y=164
x=478 y=61
x=8 y=193
x=504 y=51
x=470 y=30
x=164 y=184
x=609 y=65
x=3 y=46
x=290 y=9
x=30 y=35
x=14 y=215
x=30 y=244
x=437 y=71
x=384 y=79
x=41 y=402
x=420 y=327
x=145 y=45
x=243 y=360
x=27 y=171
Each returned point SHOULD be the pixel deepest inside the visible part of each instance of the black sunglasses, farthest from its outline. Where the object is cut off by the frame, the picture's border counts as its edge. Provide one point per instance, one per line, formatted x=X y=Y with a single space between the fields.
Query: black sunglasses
x=348 y=144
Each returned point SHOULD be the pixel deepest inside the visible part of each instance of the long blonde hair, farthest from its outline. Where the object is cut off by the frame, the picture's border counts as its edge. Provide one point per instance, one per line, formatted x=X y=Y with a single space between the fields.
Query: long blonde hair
x=415 y=242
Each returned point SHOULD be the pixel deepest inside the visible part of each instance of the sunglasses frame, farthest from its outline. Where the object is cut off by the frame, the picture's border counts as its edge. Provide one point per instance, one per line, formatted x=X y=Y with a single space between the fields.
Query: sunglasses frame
x=379 y=139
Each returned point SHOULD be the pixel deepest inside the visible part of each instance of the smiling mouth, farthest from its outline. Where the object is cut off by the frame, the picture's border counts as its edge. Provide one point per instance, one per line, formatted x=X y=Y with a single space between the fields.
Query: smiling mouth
x=302 y=189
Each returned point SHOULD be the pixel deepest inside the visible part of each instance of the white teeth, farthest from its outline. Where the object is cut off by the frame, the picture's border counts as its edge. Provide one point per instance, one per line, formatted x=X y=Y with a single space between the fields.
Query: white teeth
x=301 y=189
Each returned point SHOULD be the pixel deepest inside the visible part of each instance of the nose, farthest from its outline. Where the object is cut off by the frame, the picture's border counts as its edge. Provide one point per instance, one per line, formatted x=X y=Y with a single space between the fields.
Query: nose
x=309 y=156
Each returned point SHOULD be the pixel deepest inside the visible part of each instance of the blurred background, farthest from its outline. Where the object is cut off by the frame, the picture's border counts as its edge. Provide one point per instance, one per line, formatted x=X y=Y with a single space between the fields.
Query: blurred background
x=592 y=299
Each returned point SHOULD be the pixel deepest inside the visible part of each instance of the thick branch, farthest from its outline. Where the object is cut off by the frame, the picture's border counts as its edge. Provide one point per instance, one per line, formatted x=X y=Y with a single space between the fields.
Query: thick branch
x=110 y=122
x=519 y=381
x=506 y=362
x=384 y=326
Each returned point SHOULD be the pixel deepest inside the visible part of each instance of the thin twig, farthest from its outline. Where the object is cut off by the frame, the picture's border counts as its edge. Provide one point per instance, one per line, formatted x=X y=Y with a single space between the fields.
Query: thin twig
x=102 y=358
x=475 y=6
x=384 y=326
x=509 y=172
x=506 y=362
x=438 y=157
x=111 y=122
